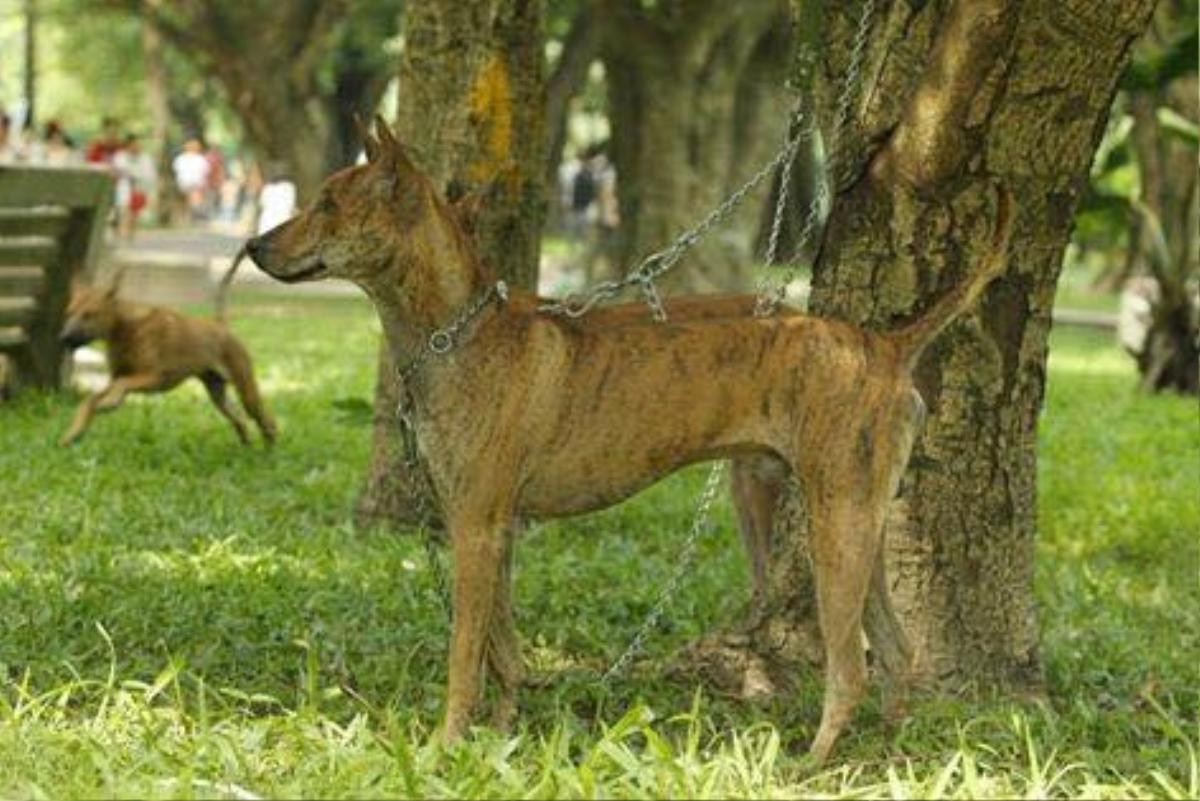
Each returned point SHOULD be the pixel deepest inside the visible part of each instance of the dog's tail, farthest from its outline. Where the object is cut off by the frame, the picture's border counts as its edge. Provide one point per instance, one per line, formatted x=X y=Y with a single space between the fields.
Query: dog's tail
x=220 y=302
x=914 y=337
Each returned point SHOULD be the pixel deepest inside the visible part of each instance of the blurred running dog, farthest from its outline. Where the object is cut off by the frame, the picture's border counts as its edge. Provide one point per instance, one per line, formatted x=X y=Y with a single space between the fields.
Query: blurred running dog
x=154 y=349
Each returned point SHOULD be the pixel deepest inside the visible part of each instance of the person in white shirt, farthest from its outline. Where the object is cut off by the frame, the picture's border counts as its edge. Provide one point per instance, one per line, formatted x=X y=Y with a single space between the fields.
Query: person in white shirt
x=276 y=201
x=191 y=170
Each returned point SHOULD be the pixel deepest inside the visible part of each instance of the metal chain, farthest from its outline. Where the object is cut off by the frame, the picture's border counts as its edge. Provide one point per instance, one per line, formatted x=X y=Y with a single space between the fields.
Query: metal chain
x=420 y=490
x=443 y=340
x=656 y=264
x=769 y=299
x=686 y=558
x=439 y=343
x=767 y=302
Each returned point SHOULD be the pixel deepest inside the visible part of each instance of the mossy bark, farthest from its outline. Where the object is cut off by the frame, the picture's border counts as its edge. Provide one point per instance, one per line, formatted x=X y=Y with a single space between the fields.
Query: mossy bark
x=954 y=97
x=472 y=110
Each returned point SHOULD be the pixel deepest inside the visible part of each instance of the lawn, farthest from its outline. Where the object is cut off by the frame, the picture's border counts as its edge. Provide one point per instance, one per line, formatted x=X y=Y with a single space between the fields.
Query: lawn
x=181 y=616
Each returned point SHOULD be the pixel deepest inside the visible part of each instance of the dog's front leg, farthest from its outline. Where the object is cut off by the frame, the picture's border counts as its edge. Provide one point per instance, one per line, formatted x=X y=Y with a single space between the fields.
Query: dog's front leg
x=504 y=648
x=106 y=400
x=83 y=417
x=478 y=542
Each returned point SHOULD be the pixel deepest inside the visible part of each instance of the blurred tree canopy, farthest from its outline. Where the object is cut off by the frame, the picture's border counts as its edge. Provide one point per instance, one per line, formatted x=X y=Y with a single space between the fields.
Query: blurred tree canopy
x=294 y=73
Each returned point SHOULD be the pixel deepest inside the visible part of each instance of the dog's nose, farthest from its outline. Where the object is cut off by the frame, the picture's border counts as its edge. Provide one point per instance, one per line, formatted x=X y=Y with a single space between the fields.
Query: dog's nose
x=254 y=247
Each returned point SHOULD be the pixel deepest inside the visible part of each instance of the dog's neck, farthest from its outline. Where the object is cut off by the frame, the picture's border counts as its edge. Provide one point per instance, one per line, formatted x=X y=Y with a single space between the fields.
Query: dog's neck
x=427 y=284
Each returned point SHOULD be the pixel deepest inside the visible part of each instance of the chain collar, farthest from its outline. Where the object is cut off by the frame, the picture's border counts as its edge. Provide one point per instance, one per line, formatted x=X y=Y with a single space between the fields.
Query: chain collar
x=445 y=339
x=439 y=343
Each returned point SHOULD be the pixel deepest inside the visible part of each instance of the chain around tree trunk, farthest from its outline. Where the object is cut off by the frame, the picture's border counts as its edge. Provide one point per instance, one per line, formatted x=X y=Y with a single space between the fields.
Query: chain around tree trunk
x=769 y=299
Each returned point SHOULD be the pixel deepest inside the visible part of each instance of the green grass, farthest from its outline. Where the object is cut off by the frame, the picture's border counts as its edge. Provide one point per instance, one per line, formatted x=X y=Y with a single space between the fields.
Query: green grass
x=180 y=616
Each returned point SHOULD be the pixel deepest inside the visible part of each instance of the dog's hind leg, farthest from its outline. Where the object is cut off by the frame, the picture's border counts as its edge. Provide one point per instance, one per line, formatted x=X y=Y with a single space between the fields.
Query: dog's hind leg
x=756 y=483
x=241 y=373
x=504 y=648
x=214 y=382
x=853 y=479
x=889 y=643
x=844 y=536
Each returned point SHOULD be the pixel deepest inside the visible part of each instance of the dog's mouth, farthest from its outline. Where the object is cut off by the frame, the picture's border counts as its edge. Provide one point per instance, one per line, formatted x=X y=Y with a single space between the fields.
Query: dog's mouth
x=316 y=269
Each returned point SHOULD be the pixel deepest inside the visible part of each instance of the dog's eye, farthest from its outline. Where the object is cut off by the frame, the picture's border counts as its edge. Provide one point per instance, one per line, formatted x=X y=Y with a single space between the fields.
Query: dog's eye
x=326 y=205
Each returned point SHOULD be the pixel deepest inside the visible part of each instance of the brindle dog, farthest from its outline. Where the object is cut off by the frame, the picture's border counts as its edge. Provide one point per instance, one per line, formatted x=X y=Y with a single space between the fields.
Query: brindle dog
x=535 y=416
x=153 y=349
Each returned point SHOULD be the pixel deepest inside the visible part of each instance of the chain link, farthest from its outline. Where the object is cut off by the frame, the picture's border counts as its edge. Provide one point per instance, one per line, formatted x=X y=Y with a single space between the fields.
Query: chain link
x=770 y=298
x=686 y=557
x=443 y=340
x=577 y=304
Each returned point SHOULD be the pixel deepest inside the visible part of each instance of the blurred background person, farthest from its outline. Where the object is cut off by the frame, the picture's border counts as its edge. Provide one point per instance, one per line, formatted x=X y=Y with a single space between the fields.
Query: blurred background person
x=277 y=200
x=56 y=148
x=136 y=180
x=191 y=170
x=102 y=149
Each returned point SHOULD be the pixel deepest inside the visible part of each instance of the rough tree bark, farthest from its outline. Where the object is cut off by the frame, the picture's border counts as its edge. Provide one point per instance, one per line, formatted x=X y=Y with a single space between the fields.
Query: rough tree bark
x=955 y=95
x=472 y=110
x=697 y=104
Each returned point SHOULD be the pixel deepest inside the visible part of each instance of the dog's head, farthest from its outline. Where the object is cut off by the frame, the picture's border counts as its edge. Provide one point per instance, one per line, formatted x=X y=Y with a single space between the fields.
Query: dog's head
x=91 y=313
x=356 y=226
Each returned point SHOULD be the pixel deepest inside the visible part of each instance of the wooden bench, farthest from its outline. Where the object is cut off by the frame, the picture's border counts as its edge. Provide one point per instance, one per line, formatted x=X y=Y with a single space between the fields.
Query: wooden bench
x=51 y=229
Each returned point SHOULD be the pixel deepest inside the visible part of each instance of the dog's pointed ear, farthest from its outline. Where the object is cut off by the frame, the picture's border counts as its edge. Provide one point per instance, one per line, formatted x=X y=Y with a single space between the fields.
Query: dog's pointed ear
x=391 y=153
x=369 y=142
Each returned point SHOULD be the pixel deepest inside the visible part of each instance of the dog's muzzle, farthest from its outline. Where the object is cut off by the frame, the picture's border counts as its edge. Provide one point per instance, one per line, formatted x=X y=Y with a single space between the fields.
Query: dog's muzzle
x=258 y=250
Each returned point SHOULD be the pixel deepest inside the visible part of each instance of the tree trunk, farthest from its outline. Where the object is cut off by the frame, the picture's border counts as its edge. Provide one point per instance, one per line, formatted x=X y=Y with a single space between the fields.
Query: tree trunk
x=157 y=94
x=697 y=105
x=580 y=47
x=30 y=76
x=292 y=72
x=1166 y=211
x=954 y=96
x=472 y=108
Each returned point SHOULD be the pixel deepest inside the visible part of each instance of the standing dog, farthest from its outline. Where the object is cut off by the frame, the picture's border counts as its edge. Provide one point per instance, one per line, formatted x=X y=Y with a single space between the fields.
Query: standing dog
x=519 y=414
x=152 y=349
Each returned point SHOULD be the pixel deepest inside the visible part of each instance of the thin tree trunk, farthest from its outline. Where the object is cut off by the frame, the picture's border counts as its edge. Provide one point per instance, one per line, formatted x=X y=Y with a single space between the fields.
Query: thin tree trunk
x=157 y=100
x=580 y=47
x=1170 y=356
x=472 y=110
x=954 y=97
x=30 y=77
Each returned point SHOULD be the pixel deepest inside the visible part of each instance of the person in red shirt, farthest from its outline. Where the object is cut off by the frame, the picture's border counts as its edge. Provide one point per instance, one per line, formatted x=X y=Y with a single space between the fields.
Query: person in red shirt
x=102 y=149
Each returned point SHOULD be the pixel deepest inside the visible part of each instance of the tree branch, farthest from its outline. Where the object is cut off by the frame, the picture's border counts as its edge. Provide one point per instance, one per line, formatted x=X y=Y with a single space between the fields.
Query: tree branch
x=930 y=144
x=581 y=46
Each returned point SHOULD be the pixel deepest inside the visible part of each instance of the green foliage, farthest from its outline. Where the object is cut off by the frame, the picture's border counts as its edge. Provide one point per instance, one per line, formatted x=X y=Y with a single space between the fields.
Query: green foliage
x=184 y=617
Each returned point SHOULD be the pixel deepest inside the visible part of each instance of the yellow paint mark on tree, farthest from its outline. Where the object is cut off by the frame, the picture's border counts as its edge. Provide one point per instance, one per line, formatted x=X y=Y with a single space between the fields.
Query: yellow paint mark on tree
x=491 y=108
